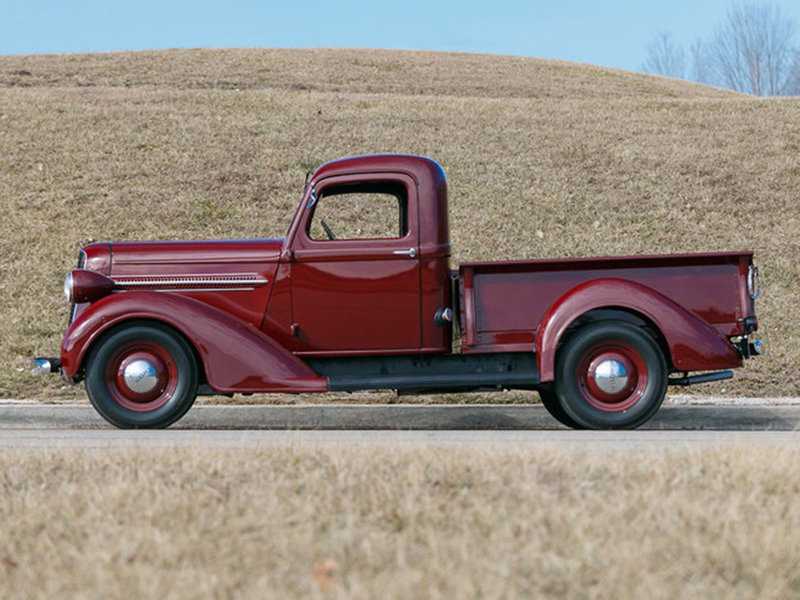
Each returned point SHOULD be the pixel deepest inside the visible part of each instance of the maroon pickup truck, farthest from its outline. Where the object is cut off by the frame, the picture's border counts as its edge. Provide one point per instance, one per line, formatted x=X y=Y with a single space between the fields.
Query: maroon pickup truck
x=360 y=295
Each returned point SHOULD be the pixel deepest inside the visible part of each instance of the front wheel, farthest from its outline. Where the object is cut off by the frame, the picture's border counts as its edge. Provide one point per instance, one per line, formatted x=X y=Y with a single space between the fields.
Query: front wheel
x=610 y=375
x=141 y=376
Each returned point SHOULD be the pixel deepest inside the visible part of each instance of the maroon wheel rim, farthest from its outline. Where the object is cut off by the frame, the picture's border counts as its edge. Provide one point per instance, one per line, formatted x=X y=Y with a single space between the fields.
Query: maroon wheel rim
x=141 y=376
x=612 y=376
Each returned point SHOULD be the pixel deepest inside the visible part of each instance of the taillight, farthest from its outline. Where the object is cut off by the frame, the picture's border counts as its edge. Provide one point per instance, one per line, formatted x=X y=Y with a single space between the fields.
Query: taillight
x=753 y=284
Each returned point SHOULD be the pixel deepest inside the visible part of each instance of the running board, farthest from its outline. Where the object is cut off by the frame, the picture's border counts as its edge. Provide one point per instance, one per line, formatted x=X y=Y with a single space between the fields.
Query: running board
x=429 y=373
x=435 y=383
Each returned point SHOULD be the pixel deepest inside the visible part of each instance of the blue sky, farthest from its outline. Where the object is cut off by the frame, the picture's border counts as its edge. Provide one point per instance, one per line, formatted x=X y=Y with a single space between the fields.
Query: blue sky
x=612 y=33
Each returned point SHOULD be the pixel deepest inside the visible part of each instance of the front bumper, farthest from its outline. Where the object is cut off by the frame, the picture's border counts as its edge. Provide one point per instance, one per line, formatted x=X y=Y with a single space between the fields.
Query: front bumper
x=45 y=365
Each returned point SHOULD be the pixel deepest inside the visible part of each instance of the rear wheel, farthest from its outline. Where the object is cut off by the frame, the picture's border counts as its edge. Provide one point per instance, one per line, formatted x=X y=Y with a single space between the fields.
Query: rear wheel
x=553 y=406
x=610 y=375
x=141 y=376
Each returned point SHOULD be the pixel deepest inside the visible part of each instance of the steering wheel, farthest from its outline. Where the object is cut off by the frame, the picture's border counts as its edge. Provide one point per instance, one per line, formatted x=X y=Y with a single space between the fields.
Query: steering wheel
x=327 y=229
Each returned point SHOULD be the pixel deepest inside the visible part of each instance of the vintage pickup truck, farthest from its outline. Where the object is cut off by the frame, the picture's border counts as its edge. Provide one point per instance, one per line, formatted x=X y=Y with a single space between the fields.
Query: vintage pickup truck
x=360 y=295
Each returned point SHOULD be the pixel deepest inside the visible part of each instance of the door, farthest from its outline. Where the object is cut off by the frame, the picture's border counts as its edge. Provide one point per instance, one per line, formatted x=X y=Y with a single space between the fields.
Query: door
x=356 y=269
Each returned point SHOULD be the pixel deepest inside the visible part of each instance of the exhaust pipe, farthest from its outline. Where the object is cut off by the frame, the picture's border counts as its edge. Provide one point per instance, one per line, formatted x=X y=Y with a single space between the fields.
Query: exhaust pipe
x=704 y=378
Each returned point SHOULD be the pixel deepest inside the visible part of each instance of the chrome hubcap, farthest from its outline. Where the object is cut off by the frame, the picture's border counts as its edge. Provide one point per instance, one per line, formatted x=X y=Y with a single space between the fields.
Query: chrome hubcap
x=141 y=376
x=611 y=376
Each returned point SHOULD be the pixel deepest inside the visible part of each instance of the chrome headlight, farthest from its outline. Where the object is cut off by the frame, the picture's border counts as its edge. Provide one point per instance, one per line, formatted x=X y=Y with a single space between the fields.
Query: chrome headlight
x=83 y=286
x=68 y=285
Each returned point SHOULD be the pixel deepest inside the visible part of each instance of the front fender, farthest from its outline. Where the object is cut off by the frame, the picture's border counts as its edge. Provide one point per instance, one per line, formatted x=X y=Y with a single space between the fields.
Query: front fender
x=237 y=357
x=694 y=344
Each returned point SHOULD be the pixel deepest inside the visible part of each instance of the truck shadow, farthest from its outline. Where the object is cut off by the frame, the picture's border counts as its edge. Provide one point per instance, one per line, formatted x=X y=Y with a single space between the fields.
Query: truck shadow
x=418 y=417
x=473 y=417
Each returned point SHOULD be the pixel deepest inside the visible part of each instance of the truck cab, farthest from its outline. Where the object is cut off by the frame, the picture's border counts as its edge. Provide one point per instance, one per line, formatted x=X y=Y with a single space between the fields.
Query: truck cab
x=368 y=260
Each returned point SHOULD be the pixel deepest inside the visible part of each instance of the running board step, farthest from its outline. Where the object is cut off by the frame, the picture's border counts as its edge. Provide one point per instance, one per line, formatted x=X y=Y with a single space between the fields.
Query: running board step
x=429 y=373
x=432 y=383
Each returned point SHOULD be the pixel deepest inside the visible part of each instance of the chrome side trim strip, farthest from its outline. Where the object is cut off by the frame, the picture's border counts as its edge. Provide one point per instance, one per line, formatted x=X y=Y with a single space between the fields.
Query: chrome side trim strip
x=235 y=282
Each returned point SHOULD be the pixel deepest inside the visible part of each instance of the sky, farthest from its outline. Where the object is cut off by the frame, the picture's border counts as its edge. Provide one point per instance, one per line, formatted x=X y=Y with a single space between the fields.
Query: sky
x=613 y=33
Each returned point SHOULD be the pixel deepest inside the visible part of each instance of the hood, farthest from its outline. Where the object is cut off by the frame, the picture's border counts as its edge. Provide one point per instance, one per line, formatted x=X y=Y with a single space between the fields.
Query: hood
x=233 y=276
x=132 y=256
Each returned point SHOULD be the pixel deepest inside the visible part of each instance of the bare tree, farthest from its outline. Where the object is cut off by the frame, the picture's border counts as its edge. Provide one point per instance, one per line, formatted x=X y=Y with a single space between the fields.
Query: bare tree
x=702 y=69
x=665 y=57
x=752 y=52
x=792 y=87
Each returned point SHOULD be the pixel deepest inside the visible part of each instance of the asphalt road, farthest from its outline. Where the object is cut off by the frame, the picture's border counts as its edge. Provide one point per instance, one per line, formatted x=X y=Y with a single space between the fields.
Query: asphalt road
x=591 y=441
x=53 y=427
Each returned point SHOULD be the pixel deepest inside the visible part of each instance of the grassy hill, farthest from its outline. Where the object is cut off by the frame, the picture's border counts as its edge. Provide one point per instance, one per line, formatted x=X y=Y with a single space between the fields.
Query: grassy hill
x=544 y=158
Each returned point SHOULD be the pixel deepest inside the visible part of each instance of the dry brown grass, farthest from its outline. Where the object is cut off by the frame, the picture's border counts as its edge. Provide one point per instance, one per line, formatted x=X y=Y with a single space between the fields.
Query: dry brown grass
x=545 y=159
x=416 y=522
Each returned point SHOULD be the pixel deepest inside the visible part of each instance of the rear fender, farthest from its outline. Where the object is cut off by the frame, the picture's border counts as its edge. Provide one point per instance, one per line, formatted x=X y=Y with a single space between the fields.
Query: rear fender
x=237 y=358
x=694 y=344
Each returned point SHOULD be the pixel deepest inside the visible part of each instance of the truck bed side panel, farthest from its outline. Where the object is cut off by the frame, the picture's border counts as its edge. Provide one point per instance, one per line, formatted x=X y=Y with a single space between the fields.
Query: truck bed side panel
x=504 y=303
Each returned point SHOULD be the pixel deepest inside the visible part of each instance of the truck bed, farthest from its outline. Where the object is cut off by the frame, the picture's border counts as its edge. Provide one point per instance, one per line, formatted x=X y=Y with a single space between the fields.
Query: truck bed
x=503 y=303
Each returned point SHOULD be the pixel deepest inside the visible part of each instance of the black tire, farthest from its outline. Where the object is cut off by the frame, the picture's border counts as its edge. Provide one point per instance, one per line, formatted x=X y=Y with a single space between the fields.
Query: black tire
x=610 y=375
x=125 y=363
x=553 y=406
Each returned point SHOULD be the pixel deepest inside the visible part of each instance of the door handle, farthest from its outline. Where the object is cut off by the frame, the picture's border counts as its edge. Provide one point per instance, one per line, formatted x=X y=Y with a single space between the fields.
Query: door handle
x=411 y=252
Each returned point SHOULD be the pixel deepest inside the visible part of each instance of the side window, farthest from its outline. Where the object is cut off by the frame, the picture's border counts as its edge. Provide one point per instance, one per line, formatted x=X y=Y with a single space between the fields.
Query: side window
x=360 y=211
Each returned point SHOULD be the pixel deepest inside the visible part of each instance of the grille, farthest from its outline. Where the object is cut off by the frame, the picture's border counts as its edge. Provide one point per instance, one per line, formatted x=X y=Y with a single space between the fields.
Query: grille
x=74 y=307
